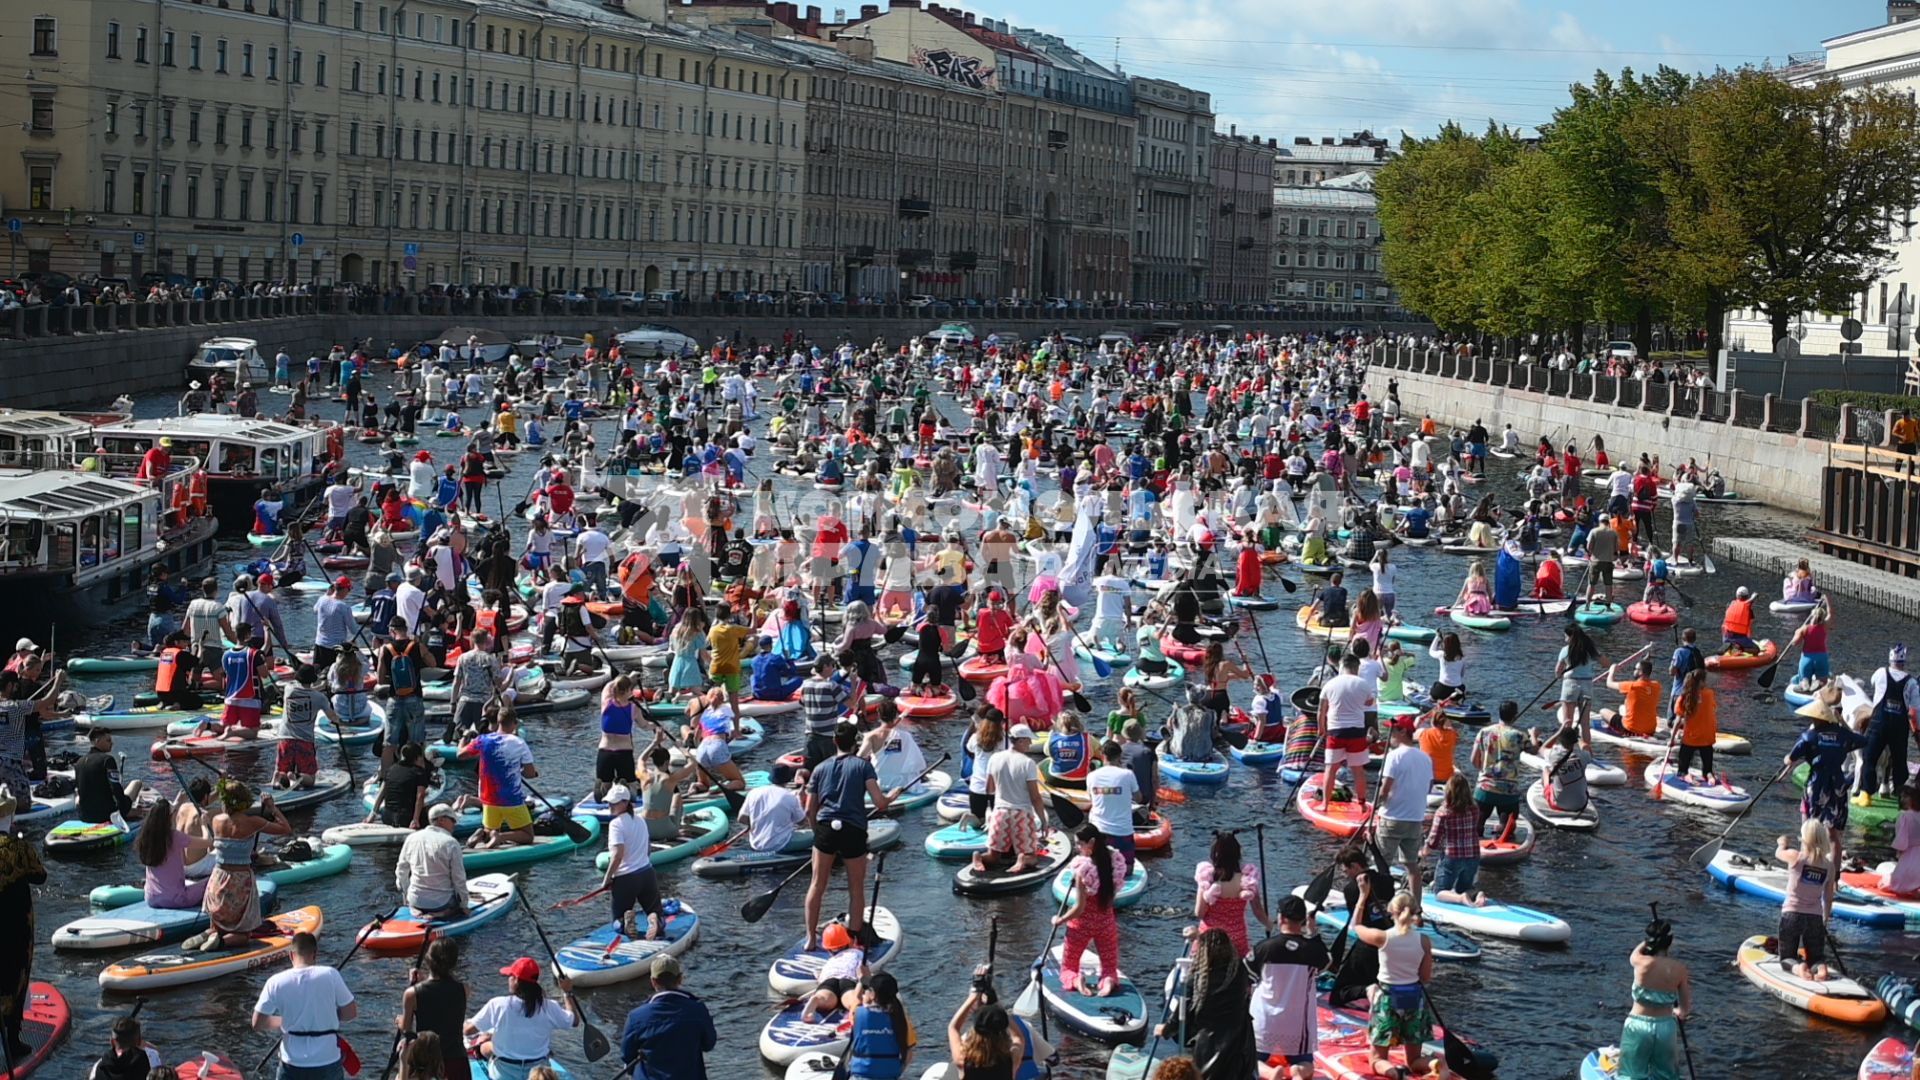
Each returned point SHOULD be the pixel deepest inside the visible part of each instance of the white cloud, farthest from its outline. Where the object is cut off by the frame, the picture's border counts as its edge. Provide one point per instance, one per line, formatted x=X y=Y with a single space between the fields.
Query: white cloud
x=1276 y=84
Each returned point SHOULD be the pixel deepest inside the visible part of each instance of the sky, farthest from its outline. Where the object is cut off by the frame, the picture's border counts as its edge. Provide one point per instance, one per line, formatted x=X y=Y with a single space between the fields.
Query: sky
x=1284 y=68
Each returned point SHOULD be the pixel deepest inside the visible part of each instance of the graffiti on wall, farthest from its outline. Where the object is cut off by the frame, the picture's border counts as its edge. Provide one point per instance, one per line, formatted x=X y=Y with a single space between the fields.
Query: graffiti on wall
x=969 y=71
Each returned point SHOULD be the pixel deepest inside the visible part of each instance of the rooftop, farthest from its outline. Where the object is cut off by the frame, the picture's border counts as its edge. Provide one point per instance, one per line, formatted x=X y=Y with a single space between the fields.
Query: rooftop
x=212 y=426
x=47 y=493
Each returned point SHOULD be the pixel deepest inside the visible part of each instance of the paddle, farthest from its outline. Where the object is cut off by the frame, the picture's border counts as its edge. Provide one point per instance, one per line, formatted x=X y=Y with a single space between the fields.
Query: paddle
x=1586 y=578
x=576 y=901
x=575 y=831
x=1673 y=736
x=1100 y=667
x=924 y=773
x=756 y=909
x=592 y=1040
x=734 y=799
x=358 y=940
x=1029 y=1001
x=1461 y=1058
x=1166 y=1011
x=1704 y=854
x=1766 y=677
x=1071 y=816
x=721 y=846
x=1080 y=702
x=393 y=1055
x=1260 y=834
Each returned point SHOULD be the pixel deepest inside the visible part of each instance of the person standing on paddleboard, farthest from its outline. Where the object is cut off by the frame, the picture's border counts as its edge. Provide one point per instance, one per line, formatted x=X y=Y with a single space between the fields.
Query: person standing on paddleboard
x=1283 y=1009
x=836 y=803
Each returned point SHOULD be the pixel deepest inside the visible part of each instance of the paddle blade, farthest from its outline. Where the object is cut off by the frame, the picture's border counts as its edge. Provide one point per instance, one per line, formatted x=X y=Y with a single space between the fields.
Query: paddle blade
x=1236 y=739
x=1704 y=854
x=756 y=909
x=965 y=689
x=1319 y=887
x=1080 y=702
x=1101 y=667
x=594 y=1041
x=1028 y=1003
x=577 y=832
x=1464 y=1060
x=735 y=800
x=1767 y=676
x=1285 y=583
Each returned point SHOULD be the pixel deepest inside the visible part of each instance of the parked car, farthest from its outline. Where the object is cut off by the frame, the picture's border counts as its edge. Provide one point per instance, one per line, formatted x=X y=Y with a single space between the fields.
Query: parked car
x=918 y=301
x=1623 y=350
x=656 y=339
x=665 y=296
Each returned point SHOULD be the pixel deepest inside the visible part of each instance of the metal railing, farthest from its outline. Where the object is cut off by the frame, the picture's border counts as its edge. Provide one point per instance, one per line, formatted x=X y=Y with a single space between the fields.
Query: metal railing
x=1788 y=416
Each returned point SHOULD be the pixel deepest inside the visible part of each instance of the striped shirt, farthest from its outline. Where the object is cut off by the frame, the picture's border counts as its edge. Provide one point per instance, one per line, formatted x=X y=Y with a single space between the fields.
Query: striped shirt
x=820 y=702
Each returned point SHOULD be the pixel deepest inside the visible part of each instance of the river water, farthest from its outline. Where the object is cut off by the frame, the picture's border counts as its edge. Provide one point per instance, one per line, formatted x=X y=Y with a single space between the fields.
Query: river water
x=1542 y=1009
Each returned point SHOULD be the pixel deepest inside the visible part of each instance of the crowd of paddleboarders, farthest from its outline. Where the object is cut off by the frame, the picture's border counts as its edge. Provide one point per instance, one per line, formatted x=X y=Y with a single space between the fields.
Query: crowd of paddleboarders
x=910 y=594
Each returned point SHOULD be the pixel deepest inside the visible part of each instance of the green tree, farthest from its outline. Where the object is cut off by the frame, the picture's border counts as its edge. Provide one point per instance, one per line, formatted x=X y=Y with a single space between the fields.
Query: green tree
x=1797 y=189
x=1426 y=215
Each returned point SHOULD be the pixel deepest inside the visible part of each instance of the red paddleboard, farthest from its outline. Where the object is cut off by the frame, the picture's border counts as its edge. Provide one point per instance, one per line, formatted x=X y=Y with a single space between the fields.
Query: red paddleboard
x=1339 y=818
x=1740 y=661
x=43 y=1029
x=980 y=669
x=1652 y=614
x=1155 y=835
x=929 y=706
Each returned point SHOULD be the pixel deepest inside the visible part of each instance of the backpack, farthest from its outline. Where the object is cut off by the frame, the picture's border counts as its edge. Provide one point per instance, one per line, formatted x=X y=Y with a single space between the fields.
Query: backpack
x=404 y=672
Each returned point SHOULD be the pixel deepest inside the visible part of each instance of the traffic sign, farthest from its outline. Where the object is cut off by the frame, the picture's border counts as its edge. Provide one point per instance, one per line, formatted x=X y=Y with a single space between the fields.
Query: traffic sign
x=1851 y=329
x=410 y=263
x=296 y=239
x=411 y=250
x=13 y=224
x=139 y=241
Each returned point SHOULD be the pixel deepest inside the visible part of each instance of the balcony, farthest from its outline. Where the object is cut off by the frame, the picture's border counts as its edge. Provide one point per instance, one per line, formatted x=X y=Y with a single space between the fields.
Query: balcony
x=1245 y=243
x=1056 y=139
x=906 y=257
x=1265 y=213
x=860 y=255
x=916 y=208
x=963 y=260
x=1226 y=208
x=1014 y=208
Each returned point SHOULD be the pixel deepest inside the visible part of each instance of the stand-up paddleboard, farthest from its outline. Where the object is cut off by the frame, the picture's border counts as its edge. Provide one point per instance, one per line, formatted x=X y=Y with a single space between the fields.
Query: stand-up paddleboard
x=266 y=948
x=44 y=1025
x=140 y=923
x=489 y=896
x=608 y=956
x=1836 y=998
x=797 y=970
x=1001 y=880
x=1120 y=1016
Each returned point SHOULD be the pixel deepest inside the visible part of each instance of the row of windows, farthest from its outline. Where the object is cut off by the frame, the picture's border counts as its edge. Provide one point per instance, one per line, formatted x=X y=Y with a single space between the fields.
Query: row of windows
x=1332 y=290
x=1335 y=228
x=216 y=204
x=1321 y=260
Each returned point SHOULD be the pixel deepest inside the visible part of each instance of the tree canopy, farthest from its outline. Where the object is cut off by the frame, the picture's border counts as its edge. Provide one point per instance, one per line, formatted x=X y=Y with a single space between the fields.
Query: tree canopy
x=1655 y=197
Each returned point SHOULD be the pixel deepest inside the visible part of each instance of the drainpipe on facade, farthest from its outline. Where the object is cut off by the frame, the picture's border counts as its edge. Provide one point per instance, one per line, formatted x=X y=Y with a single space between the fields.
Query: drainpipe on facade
x=393 y=150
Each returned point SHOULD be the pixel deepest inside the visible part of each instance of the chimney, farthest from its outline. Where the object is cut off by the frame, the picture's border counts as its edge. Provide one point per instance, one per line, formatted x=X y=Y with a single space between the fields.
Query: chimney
x=1327 y=141
x=1273 y=144
x=653 y=11
x=969 y=18
x=760 y=28
x=1302 y=140
x=840 y=16
x=856 y=48
x=1233 y=130
x=869 y=11
x=1900 y=11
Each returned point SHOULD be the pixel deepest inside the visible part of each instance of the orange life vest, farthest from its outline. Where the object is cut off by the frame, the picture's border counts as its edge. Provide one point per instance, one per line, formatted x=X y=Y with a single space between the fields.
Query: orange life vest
x=168 y=673
x=197 y=492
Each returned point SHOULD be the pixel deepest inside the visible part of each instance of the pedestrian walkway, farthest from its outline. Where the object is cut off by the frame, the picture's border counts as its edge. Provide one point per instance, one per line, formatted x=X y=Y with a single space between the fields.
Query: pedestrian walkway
x=1835 y=575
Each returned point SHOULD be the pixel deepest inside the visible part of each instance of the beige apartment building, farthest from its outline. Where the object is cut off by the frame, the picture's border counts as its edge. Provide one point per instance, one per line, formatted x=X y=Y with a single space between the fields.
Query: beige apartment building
x=1173 y=190
x=559 y=144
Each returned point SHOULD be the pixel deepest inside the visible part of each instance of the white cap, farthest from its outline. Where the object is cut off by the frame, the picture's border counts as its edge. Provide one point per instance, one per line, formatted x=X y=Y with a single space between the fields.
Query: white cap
x=24 y=644
x=618 y=793
x=1020 y=731
x=441 y=810
x=1741 y=593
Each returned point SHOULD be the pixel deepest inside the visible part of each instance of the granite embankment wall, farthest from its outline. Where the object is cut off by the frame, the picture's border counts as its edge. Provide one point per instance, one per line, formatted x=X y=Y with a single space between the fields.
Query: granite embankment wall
x=1777 y=467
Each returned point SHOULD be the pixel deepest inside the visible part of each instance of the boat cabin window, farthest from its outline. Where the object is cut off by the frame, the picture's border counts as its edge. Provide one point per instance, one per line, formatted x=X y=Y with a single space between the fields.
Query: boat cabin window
x=90 y=541
x=237 y=460
x=130 y=523
x=270 y=461
x=60 y=544
x=20 y=543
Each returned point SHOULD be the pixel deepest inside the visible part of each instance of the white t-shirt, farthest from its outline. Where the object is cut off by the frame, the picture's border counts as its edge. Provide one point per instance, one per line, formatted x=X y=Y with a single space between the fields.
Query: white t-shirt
x=977 y=777
x=517 y=1035
x=340 y=499
x=306 y=999
x=408 y=601
x=899 y=760
x=1011 y=772
x=592 y=546
x=628 y=832
x=772 y=813
x=1411 y=771
x=1111 y=790
x=1383 y=578
x=1348 y=697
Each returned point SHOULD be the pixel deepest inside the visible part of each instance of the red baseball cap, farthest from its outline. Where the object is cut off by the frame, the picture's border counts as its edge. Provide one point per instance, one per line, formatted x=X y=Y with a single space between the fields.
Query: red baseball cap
x=523 y=969
x=343 y=582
